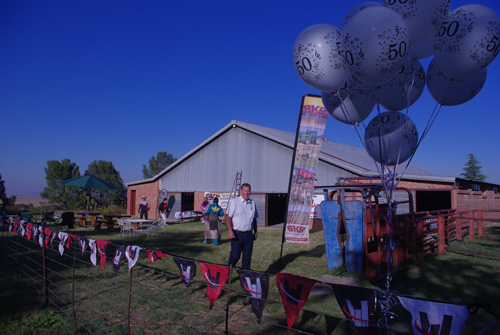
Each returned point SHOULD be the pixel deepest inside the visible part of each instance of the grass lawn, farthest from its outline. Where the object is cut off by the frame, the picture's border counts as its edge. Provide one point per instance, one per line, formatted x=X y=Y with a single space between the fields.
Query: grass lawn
x=161 y=303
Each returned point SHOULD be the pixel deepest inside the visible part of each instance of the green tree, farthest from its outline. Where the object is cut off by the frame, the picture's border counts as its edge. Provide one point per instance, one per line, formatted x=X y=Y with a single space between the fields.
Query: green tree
x=4 y=200
x=157 y=164
x=55 y=193
x=473 y=170
x=107 y=172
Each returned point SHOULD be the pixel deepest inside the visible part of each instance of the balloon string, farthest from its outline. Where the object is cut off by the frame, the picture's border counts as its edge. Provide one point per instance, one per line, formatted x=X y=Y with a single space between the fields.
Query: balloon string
x=428 y=126
x=345 y=110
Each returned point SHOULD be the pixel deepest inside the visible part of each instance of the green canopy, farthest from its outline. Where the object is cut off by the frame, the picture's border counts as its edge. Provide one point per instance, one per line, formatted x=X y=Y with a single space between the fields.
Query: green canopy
x=89 y=181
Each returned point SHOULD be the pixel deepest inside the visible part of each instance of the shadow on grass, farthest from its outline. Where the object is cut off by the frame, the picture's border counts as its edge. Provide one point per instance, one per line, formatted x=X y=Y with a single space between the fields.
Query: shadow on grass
x=278 y=265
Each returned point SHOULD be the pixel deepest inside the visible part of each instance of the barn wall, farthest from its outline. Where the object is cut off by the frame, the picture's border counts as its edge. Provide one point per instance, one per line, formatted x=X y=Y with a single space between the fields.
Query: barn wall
x=150 y=190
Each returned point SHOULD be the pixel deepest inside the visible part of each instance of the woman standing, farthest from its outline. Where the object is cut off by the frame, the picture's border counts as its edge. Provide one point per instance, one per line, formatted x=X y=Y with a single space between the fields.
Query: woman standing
x=212 y=226
x=163 y=210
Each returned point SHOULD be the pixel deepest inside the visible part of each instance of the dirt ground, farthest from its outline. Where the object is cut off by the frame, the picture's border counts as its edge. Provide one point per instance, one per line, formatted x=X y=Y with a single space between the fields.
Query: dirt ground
x=29 y=199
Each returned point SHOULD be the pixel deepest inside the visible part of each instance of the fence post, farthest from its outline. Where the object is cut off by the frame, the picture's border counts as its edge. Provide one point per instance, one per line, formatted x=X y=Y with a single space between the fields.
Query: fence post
x=228 y=297
x=471 y=226
x=459 y=227
x=480 y=231
x=73 y=289
x=17 y=261
x=420 y=239
x=44 y=272
x=441 y=235
x=129 y=300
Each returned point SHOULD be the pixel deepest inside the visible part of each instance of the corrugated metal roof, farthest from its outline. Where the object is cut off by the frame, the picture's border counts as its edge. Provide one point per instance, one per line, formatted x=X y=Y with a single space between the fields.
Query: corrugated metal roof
x=352 y=159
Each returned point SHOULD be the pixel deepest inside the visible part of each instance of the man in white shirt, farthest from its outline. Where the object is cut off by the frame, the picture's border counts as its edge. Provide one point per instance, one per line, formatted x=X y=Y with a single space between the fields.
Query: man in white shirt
x=241 y=218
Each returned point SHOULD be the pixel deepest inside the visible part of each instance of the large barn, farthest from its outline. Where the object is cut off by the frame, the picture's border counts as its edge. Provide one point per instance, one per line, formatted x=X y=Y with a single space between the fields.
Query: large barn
x=264 y=156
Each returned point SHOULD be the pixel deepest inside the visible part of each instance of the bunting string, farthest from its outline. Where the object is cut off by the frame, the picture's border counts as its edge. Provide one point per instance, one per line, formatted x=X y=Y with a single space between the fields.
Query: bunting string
x=154 y=292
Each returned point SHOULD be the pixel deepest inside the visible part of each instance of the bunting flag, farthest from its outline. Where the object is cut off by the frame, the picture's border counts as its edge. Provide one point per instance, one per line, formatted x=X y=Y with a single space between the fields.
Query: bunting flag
x=101 y=248
x=47 y=232
x=10 y=224
x=35 y=231
x=29 y=228
x=153 y=255
x=216 y=276
x=256 y=284
x=93 y=251
x=294 y=291
x=62 y=240
x=119 y=255
x=83 y=243
x=53 y=237
x=23 y=229
x=359 y=306
x=15 y=225
x=187 y=268
x=71 y=238
x=435 y=318
x=40 y=236
x=132 y=254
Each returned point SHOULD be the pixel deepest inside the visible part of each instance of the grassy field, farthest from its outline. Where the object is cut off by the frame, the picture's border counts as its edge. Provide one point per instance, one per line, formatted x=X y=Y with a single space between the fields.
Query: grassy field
x=161 y=303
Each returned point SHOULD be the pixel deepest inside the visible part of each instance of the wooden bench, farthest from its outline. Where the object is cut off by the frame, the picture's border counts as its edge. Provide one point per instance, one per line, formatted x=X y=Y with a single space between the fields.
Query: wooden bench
x=109 y=223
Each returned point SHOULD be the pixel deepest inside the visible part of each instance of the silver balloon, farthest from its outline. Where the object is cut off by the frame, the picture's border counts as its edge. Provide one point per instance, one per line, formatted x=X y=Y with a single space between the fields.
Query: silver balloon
x=423 y=17
x=402 y=91
x=448 y=92
x=352 y=103
x=422 y=49
x=357 y=8
x=391 y=138
x=376 y=43
x=317 y=58
x=467 y=41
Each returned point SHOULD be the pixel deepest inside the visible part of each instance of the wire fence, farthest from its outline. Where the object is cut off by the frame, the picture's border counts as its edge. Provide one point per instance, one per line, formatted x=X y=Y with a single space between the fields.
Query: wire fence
x=147 y=299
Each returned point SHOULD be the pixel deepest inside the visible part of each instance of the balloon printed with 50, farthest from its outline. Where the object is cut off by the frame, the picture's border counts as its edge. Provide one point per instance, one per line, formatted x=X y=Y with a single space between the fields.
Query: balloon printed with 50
x=391 y=138
x=352 y=103
x=404 y=89
x=317 y=58
x=421 y=16
x=448 y=92
x=376 y=42
x=467 y=41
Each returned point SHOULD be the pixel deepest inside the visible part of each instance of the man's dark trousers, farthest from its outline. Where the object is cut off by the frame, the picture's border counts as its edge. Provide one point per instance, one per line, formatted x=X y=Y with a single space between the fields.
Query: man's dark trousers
x=243 y=242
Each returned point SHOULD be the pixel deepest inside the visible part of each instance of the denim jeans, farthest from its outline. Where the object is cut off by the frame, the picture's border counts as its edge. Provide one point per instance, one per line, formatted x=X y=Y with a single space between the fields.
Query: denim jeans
x=243 y=242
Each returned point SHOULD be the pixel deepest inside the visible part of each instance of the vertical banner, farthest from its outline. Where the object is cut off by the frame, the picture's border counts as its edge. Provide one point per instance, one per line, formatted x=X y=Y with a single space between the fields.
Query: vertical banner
x=308 y=141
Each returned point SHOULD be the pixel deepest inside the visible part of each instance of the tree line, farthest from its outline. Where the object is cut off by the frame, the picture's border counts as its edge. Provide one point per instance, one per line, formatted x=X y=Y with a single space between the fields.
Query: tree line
x=72 y=197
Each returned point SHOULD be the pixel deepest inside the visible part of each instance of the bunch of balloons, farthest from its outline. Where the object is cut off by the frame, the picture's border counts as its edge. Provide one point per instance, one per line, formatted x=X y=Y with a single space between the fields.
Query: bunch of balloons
x=374 y=58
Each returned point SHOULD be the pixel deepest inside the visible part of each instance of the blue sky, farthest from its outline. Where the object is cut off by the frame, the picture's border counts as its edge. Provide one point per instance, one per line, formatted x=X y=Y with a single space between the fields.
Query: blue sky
x=122 y=80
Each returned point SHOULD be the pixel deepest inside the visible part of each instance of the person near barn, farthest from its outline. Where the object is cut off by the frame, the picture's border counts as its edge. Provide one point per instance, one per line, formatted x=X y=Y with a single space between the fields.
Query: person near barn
x=241 y=222
x=212 y=225
x=144 y=207
x=163 y=210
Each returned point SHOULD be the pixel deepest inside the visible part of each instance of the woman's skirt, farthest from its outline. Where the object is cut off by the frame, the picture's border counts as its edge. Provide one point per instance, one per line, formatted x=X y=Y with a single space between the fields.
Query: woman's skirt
x=212 y=227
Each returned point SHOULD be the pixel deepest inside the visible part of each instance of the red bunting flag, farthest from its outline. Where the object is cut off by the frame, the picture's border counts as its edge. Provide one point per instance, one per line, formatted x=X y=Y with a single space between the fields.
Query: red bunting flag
x=101 y=248
x=71 y=238
x=47 y=232
x=294 y=291
x=216 y=276
x=29 y=227
x=153 y=255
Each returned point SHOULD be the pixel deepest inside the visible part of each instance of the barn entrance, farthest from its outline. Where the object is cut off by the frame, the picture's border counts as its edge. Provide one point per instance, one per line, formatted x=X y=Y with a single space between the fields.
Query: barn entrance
x=187 y=201
x=428 y=201
x=276 y=208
